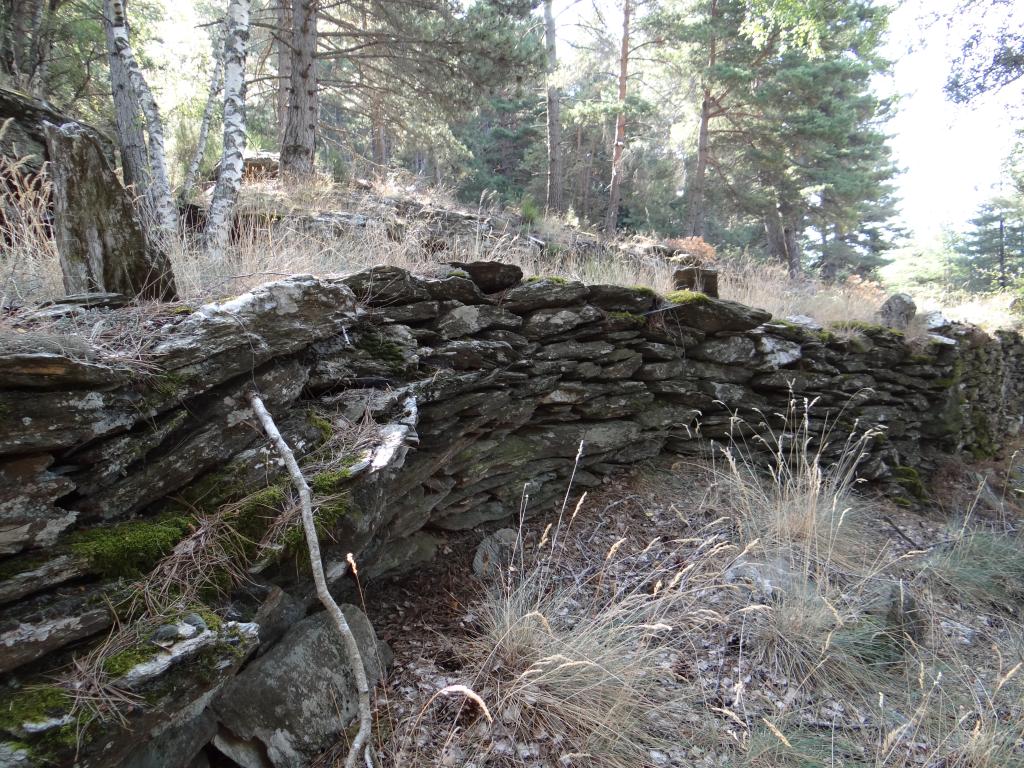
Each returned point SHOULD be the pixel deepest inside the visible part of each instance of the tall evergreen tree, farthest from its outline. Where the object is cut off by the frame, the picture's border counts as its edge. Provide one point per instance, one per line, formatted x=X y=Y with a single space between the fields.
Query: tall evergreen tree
x=790 y=131
x=991 y=252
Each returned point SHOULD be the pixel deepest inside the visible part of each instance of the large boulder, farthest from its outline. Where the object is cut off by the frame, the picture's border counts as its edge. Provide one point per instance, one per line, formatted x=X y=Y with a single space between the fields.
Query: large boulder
x=301 y=696
x=24 y=136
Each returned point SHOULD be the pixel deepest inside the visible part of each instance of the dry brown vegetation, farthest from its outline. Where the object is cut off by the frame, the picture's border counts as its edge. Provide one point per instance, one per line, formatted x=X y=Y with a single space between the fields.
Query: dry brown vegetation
x=710 y=613
x=265 y=246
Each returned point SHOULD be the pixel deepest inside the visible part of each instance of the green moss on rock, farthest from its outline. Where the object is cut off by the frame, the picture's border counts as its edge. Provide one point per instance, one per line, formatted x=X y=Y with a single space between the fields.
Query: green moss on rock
x=628 y=317
x=910 y=479
x=18 y=565
x=321 y=423
x=332 y=480
x=33 y=705
x=129 y=549
x=383 y=350
x=122 y=662
x=257 y=510
x=863 y=327
x=326 y=519
x=686 y=297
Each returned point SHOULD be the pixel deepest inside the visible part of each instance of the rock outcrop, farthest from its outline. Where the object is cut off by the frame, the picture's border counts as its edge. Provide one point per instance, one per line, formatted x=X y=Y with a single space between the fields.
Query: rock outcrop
x=479 y=385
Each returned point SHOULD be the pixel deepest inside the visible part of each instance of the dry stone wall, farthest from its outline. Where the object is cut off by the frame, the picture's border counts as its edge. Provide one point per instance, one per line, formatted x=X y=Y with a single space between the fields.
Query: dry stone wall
x=484 y=389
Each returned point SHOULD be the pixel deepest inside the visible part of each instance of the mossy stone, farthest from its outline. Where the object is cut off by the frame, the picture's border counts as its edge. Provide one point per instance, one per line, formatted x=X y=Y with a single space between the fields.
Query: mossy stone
x=129 y=549
x=686 y=297
x=121 y=663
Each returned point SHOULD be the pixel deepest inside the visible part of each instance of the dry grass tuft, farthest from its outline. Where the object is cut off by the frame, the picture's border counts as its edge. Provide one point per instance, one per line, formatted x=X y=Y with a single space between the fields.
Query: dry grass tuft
x=29 y=266
x=795 y=495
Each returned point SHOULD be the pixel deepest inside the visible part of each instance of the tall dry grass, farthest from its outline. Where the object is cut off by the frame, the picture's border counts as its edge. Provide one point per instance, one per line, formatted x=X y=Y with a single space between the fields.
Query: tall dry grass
x=29 y=264
x=864 y=645
x=767 y=285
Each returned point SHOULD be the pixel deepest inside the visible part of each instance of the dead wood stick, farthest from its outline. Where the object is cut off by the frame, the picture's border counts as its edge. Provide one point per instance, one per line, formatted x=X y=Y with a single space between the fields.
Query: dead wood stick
x=313 y=543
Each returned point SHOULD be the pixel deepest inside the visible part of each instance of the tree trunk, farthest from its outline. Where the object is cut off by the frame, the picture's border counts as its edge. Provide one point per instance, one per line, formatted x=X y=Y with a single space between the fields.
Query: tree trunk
x=127 y=120
x=204 y=133
x=26 y=41
x=162 y=211
x=554 y=117
x=229 y=177
x=7 y=62
x=378 y=134
x=783 y=244
x=614 y=192
x=284 y=64
x=298 y=148
x=99 y=237
x=1003 y=281
x=696 y=214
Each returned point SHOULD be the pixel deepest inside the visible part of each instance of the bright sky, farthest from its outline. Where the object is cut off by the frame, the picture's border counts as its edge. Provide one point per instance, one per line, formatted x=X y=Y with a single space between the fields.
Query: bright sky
x=951 y=154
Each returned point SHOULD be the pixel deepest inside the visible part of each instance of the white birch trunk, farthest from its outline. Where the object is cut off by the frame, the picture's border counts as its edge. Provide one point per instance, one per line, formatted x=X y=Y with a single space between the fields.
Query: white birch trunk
x=163 y=211
x=204 y=133
x=131 y=140
x=229 y=177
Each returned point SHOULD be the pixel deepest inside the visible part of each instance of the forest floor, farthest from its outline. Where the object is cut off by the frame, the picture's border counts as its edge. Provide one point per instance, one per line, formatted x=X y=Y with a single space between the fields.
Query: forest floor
x=695 y=613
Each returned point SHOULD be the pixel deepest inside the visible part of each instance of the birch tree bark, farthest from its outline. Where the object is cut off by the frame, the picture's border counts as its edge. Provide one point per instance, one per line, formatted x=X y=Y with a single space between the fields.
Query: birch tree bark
x=229 y=177
x=161 y=205
x=204 y=133
x=555 y=180
x=614 y=188
x=298 y=147
x=127 y=120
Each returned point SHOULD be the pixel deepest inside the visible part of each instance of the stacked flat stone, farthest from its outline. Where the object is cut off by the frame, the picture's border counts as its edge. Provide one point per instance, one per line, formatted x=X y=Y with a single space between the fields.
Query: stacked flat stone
x=487 y=389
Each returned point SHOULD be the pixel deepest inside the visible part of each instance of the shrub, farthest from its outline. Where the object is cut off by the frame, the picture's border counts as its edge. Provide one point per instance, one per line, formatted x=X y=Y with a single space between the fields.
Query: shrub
x=530 y=210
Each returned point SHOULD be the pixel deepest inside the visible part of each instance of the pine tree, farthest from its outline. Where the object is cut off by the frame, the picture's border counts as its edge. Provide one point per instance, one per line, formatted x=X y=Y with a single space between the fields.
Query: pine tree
x=991 y=253
x=794 y=138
